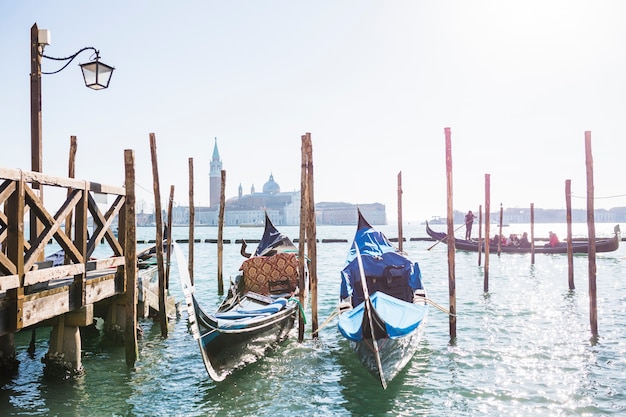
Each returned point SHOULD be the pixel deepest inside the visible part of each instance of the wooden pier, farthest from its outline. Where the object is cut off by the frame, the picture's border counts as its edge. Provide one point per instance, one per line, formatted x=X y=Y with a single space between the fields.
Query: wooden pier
x=69 y=293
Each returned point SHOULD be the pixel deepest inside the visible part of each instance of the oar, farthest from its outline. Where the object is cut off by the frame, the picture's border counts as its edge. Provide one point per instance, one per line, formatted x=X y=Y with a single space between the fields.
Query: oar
x=441 y=240
x=368 y=311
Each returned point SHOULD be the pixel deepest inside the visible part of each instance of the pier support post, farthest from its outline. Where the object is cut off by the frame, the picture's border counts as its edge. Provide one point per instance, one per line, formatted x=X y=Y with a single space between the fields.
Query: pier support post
x=63 y=359
x=115 y=322
x=8 y=362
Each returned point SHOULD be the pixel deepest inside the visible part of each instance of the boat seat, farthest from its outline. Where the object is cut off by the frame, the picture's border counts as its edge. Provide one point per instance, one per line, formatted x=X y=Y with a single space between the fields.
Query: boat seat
x=240 y=313
x=394 y=281
x=276 y=274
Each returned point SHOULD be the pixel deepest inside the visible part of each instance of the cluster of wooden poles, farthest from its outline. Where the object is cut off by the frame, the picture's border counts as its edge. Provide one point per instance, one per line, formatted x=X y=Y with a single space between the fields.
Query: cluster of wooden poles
x=307 y=233
x=451 y=243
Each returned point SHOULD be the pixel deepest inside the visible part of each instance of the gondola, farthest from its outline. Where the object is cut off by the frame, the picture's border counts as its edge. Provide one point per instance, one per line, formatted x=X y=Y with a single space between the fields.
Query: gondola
x=602 y=244
x=259 y=310
x=383 y=306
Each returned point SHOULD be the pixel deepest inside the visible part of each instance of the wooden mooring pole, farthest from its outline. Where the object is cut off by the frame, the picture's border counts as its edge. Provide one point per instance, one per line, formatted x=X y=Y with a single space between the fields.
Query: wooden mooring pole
x=170 y=240
x=302 y=237
x=192 y=221
x=532 y=233
x=159 y=235
x=71 y=173
x=311 y=236
x=487 y=231
x=500 y=231
x=451 y=244
x=480 y=233
x=570 y=249
x=593 y=304
x=220 y=236
x=130 y=259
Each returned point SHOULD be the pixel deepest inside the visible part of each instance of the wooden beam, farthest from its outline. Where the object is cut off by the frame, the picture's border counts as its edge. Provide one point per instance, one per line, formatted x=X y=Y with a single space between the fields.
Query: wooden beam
x=15 y=253
x=192 y=221
x=48 y=274
x=130 y=255
x=80 y=317
x=159 y=232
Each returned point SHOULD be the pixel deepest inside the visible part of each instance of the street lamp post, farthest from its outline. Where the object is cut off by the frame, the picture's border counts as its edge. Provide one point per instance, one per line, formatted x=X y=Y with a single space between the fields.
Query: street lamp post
x=35 y=101
x=96 y=75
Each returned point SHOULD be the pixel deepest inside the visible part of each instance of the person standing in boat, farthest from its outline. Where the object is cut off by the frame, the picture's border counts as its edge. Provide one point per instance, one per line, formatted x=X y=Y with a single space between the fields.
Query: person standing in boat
x=469 y=220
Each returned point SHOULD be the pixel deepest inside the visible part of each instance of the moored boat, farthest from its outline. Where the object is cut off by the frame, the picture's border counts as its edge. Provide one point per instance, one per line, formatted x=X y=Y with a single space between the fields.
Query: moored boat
x=602 y=244
x=259 y=311
x=383 y=328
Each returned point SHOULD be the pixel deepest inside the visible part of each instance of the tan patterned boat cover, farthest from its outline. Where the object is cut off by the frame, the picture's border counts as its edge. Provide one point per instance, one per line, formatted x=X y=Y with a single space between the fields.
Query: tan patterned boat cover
x=276 y=274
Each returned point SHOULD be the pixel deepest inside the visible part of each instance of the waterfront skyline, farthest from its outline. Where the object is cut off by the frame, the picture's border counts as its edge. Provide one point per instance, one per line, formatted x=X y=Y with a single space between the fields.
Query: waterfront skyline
x=374 y=82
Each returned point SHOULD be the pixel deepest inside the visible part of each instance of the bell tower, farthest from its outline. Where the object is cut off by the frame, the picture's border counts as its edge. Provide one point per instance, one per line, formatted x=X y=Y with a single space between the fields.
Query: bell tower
x=215 y=178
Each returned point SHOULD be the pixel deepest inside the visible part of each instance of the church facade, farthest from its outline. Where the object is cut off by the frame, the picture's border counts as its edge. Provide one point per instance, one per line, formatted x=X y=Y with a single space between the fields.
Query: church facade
x=282 y=207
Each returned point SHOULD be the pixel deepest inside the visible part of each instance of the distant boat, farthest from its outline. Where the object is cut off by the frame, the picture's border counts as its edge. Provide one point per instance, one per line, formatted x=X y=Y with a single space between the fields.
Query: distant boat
x=251 y=224
x=259 y=311
x=383 y=328
x=602 y=244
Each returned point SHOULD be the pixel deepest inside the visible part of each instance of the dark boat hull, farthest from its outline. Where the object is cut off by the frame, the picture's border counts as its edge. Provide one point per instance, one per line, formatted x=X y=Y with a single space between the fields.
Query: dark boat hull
x=227 y=346
x=259 y=311
x=602 y=245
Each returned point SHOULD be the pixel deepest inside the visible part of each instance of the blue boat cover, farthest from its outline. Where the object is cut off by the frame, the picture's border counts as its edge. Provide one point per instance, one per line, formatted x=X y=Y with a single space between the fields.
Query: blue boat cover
x=401 y=318
x=377 y=254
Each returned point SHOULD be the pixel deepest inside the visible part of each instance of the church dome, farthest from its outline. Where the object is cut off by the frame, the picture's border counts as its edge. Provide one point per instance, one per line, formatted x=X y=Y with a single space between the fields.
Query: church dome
x=271 y=186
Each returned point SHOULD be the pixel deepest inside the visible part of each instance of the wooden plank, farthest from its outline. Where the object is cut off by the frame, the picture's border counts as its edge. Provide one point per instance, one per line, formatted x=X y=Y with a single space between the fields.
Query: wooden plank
x=6 y=266
x=107 y=263
x=9 y=282
x=30 y=177
x=49 y=274
x=45 y=305
x=98 y=290
x=6 y=189
x=15 y=253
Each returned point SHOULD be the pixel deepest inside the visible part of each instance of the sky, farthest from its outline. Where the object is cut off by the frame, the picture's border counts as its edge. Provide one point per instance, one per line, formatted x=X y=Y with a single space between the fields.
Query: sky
x=375 y=83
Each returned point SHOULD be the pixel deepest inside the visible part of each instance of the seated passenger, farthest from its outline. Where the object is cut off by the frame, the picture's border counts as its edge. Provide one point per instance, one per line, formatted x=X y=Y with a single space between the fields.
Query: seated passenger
x=513 y=240
x=524 y=242
x=554 y=240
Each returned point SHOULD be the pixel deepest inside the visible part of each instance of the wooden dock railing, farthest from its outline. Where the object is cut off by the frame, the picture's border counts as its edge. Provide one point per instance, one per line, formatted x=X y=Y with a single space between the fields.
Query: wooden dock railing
x=31 y=290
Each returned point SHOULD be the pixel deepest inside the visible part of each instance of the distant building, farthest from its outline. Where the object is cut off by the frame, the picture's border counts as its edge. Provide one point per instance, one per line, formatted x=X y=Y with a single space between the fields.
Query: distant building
x=346 y=213
x=282 y=207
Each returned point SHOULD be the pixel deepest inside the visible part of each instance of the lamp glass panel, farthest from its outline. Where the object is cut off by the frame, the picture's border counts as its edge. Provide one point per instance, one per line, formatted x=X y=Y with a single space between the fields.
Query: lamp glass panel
x=89 y=73
x=103 y=75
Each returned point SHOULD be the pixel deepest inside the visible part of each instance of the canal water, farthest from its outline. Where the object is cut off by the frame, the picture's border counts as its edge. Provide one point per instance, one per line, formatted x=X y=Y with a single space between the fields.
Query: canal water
x=522 y=349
